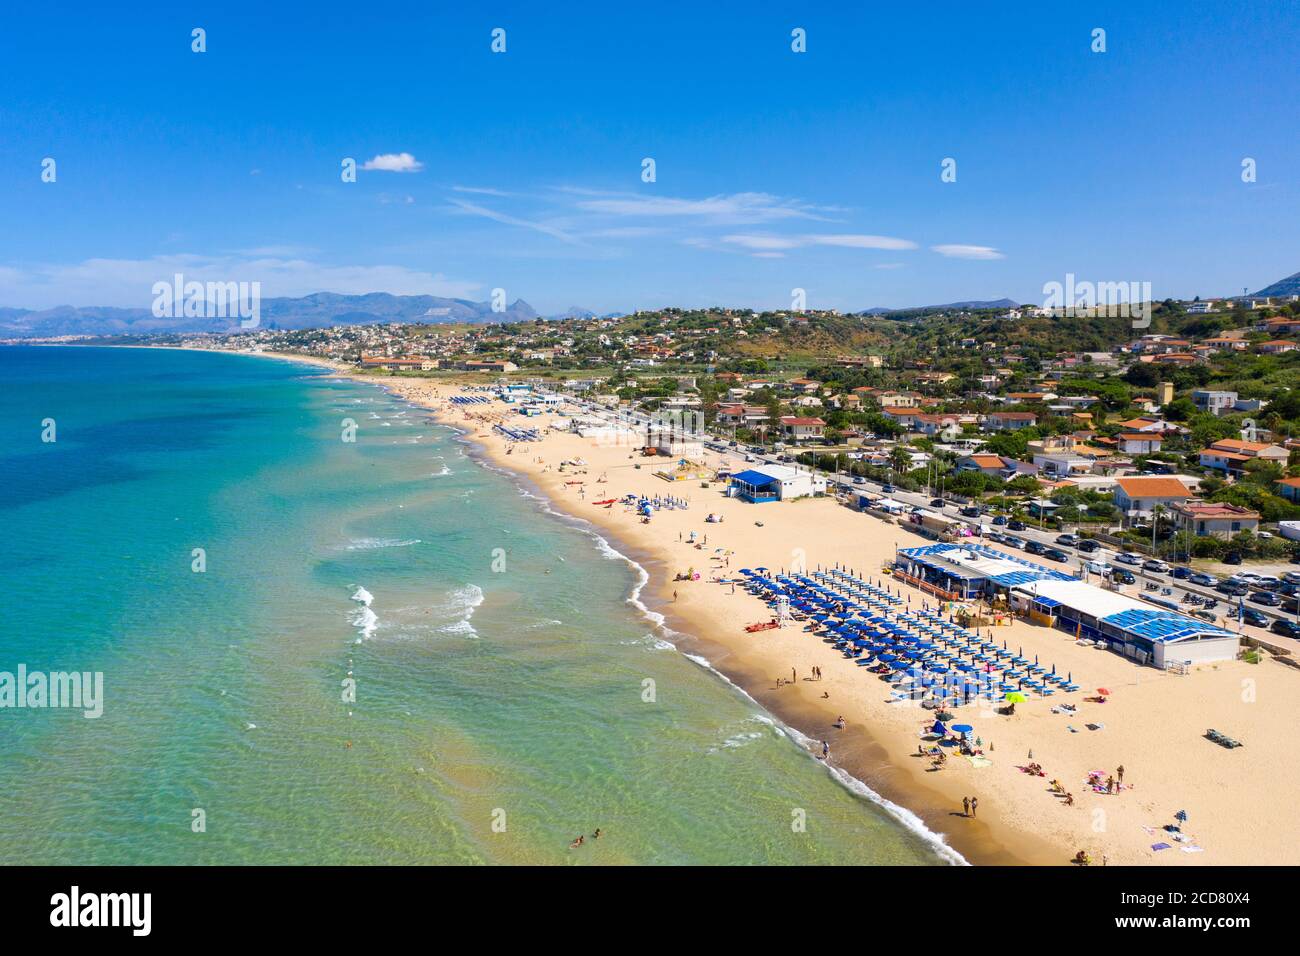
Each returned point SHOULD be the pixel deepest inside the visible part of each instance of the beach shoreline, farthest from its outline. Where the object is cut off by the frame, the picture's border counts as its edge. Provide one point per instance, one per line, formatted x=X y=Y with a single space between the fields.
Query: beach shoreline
x=1019 y=823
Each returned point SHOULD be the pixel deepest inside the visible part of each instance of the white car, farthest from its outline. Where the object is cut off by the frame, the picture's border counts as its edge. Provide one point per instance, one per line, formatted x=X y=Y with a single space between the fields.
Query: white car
x=1099 y=567
x=1245 y=577
x=1125 y=557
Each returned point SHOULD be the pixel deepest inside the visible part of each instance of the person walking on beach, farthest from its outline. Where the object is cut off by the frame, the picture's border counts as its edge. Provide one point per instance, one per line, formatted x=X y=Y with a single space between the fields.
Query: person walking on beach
x=965 y=806
x=674 y=595
x=794 y=676
x=826 y=750
x=1119 y=772
x=974 y=805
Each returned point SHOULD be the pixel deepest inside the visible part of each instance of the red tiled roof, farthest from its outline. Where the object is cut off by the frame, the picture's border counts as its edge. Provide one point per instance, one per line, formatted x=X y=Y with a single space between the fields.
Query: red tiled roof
x=1153 y=487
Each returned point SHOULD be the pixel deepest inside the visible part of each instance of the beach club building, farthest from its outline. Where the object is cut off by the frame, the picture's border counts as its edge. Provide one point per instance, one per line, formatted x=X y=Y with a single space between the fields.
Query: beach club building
x=775 y=483
x=1137 y=630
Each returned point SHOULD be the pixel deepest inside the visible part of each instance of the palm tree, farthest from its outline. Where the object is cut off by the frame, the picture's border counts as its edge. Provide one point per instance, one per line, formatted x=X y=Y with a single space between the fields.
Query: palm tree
x=900 y=460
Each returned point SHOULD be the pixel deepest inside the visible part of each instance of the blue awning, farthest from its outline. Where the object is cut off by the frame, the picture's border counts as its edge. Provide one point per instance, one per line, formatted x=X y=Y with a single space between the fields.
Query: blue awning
x=753 y=478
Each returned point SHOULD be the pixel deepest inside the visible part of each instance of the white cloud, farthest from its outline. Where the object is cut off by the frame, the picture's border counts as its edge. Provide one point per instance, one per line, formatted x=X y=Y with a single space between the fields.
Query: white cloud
x=128 y=283
x=762 y=242
x=957 y=251
x=482 y=191
x=862 y=242
x=736 y=208
x=393 y=163
x=850 y=241
x=474 y=209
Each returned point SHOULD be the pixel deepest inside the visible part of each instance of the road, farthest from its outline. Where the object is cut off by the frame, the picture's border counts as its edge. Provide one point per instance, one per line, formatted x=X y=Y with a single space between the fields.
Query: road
x=740 y=457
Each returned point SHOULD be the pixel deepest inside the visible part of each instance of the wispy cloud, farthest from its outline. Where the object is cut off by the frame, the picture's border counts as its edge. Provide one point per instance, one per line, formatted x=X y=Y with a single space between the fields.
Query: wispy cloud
x=474 y=209
x=763 y=243
x=482 y=191
x=958 y=251
x=737 y=208
x=393 y=163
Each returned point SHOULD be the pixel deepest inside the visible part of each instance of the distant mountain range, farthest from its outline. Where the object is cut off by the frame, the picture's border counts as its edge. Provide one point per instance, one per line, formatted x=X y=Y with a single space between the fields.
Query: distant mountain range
x=320 y=310
x=970 y=306
x=1288 y=286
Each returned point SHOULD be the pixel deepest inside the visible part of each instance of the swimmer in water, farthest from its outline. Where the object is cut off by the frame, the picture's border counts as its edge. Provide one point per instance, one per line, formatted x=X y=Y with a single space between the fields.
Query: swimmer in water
x=577 y=843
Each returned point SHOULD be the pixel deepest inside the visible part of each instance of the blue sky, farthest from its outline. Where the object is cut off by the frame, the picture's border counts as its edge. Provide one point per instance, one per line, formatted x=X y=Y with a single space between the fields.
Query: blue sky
x=775 y=169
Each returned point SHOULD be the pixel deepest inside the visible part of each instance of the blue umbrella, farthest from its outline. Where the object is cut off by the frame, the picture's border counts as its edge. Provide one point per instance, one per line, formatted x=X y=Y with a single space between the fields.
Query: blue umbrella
x=939 y=729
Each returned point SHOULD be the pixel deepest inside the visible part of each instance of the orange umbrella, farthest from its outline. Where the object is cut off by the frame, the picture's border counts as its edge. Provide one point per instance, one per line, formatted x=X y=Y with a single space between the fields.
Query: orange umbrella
x=1103 y=691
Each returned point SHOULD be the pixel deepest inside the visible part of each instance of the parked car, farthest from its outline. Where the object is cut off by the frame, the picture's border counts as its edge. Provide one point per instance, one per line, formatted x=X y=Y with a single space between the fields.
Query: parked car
x=1291 y=577
x=1285 y=628
x=936 y=502
x=1120 y=576
x=1089 y=546
x=1015 y=524
x=1232 y=557
x=1205 y=615
x=859 y=480
x=1203 y=579
x=1254 y=618
x=1266 y=582
x=1126 y=557
x=1033 y=547
x=1181 y=573
x=1067 y=540
x=1012 y=541
x=970 y=511
x=1267 y=598
x=1098 y=567
x=887 y=489
x=1056 y=554
x=1233 y=588
x=1245 y=577
x=1000 y=519
x=1155 y=567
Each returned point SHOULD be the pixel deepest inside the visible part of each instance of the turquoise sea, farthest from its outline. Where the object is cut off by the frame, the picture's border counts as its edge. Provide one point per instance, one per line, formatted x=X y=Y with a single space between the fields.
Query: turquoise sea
x=510 y=692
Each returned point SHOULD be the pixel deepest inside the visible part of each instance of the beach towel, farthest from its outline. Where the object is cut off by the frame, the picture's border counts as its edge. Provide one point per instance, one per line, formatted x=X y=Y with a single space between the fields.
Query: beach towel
x=980 y=761
x=1192 y=849
x=1161 y=846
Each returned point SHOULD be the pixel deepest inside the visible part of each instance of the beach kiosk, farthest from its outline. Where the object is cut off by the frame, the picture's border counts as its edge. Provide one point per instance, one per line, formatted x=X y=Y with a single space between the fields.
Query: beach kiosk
x=775 y=483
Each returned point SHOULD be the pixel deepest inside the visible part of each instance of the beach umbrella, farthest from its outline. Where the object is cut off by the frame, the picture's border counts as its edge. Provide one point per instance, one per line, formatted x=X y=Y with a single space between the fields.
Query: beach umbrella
x=1015 y=697
x=1103 y=691
x=939 y=729
x=1181 y=816
x=962 y=728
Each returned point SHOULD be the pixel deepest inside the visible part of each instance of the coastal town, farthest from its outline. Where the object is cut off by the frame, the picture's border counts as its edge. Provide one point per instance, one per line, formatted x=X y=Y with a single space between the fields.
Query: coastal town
x=993 y=676
x=1172 y=443
x=934 y=528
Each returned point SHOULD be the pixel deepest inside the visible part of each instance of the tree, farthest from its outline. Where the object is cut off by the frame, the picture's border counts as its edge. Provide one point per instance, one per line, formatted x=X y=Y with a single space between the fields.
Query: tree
x=900 y=459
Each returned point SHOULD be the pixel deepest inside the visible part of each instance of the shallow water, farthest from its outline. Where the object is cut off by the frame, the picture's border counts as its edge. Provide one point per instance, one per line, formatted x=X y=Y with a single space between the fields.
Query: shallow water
x=510 y=693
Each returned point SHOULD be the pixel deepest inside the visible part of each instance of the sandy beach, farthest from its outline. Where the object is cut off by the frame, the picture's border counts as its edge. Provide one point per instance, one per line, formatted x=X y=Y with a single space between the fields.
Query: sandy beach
x=1153 y=723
